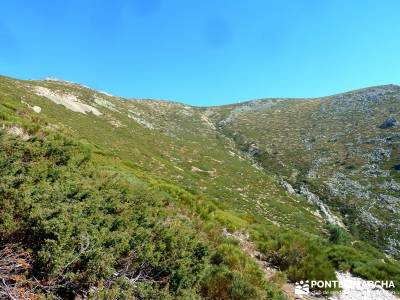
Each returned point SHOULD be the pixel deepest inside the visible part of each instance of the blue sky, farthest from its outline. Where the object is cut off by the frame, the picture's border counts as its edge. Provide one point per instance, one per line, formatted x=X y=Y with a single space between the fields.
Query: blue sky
x=205 y=52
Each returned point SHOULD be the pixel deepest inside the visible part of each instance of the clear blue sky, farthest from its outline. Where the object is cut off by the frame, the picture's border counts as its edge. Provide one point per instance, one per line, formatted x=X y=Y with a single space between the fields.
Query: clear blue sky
x=204 y=52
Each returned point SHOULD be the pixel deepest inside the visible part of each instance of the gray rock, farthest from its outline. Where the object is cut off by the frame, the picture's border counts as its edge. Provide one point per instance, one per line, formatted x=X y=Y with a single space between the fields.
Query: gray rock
x=253 y=150
x=391 y=186
x=315 y=200
x=342 y=186
x=373 y=171
x=389 y=123
x=288 y=187
x=378 y=155
x=392 y=203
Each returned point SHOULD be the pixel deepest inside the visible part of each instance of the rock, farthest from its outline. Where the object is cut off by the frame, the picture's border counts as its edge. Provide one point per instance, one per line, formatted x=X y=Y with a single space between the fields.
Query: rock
x=69 y=101
x=132 y=115
x=392 y=247
x=369 y=219
x=253 y=150
x=116 y=123
x=288 y=187
x=316 y=166
x=18 y=131
x=198 y=170
x=342 y=186
x=105 y=103
x=373 y=171
x=37 y=109
x=391 y=186
x=392 y=203
x=314 y=199
x=378 y=154
x=391 y=122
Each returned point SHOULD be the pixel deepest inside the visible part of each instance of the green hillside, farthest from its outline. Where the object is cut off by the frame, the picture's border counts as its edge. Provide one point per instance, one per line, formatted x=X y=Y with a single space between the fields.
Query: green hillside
x=337 y=148
x=112 y=198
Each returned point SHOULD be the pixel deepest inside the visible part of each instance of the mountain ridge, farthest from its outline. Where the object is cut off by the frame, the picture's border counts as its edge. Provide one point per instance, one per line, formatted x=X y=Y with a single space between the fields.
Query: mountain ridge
x=363 y=89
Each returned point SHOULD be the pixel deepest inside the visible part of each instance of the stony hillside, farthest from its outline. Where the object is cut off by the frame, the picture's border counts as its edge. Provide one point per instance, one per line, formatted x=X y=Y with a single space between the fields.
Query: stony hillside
x=340 y=152
x=259 y=194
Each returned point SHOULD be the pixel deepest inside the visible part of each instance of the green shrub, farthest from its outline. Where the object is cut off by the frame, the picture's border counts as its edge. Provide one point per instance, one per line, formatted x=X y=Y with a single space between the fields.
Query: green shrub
x=338 y=235
x=84 y=225
x=90 y=227
x=234 y=275
x=300 y=256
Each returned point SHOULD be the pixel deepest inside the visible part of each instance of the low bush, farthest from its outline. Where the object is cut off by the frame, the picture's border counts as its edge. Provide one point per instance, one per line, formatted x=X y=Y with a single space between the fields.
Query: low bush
x=88 y=228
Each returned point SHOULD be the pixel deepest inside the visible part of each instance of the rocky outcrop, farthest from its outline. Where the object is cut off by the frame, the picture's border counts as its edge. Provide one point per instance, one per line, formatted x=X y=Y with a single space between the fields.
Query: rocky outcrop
x=359 y=101
x=378 y=154
x=325 y=211
x=374 y=171
x=68 y=100
x=389 y=123
x=391 y=185
x=36 y=109
x=288 y=187
x=342 y=186
x=17 y=131
x=391 y=202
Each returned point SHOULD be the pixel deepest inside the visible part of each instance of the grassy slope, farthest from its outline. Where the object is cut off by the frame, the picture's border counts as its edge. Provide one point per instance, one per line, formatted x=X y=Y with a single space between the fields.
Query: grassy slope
x=181 y=141
x=181 y=151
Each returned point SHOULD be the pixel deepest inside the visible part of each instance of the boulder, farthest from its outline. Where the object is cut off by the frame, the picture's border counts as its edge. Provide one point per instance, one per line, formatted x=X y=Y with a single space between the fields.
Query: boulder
x=388 y=123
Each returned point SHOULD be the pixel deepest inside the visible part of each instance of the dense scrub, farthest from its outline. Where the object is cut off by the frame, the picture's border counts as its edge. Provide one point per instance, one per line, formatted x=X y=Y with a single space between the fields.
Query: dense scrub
x=87 y=228
x=80 y=222
x=91 y=230
x=304 y=257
